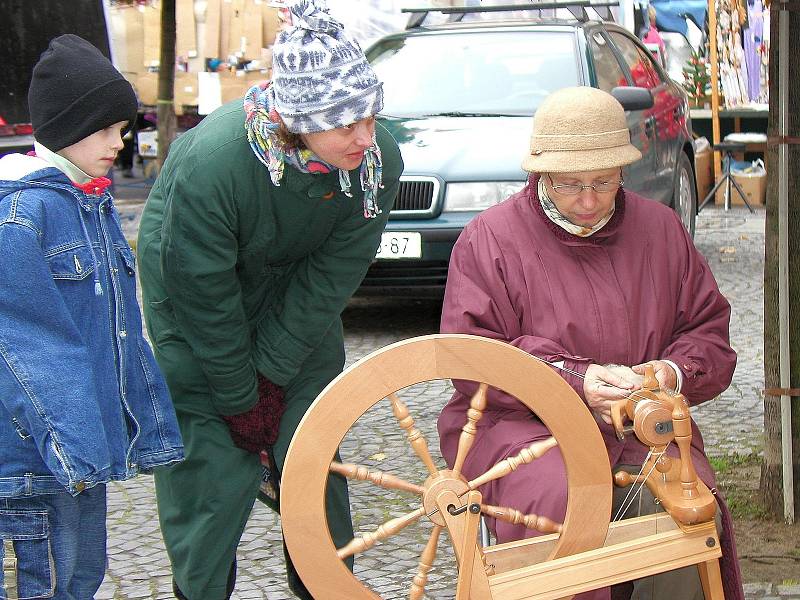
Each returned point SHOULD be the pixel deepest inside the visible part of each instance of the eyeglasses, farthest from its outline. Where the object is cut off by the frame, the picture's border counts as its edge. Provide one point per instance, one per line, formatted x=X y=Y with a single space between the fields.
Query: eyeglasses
x=573 y=189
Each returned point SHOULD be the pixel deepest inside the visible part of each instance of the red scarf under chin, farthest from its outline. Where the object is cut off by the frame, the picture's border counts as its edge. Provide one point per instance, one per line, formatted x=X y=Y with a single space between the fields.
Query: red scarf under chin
x=93 y=187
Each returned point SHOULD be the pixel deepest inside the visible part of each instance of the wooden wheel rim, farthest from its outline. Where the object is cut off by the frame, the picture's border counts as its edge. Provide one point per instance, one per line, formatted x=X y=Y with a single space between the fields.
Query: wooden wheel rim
x=407 y=363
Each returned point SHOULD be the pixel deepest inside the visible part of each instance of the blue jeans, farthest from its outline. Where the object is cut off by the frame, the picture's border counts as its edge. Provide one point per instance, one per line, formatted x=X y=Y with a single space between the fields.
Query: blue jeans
x=54 y=545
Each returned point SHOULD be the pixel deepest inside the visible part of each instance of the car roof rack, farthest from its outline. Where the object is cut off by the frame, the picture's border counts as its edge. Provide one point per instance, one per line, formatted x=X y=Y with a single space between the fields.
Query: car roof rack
x=576 y=7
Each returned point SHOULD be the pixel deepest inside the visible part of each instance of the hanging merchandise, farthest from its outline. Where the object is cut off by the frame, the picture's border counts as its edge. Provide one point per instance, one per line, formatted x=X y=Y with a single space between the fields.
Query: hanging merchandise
x=759 y=34
x=732 y=66
x=751 y=37
x=742 y=51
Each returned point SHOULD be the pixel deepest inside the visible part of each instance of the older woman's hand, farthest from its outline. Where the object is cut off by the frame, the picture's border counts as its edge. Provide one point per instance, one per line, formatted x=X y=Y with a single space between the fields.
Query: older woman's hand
x=602 y=387
x=665 y=374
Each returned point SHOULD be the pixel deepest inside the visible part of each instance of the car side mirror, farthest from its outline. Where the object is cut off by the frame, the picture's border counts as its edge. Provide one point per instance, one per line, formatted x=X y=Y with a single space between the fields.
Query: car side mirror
x=633 y=98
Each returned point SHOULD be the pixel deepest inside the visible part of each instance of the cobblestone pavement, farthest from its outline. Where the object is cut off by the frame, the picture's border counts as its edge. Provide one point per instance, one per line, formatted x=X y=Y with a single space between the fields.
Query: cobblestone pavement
x=732 y=242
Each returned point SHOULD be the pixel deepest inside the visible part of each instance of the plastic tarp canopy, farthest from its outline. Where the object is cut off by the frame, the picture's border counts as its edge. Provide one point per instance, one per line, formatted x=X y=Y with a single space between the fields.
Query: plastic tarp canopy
x=671 y=15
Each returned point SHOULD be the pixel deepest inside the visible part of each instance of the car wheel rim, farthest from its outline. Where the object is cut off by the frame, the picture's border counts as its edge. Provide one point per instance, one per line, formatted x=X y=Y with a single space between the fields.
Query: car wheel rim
x=684 y=204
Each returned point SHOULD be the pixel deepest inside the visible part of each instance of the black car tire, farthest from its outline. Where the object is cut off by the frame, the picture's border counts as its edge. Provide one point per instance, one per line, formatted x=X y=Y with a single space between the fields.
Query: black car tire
x=685 y=195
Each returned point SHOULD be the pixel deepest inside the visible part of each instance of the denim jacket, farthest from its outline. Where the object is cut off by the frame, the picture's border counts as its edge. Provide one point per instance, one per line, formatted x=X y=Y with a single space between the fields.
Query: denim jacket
x=82 y=401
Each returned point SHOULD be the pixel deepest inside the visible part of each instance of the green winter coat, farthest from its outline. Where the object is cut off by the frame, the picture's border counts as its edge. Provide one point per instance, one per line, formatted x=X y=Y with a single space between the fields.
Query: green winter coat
x=238 y=277
x=242 y=276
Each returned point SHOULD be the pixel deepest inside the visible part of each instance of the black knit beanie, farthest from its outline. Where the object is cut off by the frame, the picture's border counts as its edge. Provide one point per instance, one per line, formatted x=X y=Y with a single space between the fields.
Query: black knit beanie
x=75 y=91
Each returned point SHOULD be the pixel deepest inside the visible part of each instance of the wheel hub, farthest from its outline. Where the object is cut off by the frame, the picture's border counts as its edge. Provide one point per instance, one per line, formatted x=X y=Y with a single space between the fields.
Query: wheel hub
x=435 y=485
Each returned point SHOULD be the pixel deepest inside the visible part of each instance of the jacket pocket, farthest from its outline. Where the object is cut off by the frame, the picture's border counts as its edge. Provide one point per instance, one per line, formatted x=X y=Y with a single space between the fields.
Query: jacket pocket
x=73 y=263
x=128 y=260
x=161 y=322
x=28 y=570
x=180 y=366
x=21 y=431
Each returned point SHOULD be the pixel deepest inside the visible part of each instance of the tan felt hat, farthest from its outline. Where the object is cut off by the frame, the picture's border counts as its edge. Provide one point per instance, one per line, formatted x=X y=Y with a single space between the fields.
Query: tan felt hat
x=579 y=129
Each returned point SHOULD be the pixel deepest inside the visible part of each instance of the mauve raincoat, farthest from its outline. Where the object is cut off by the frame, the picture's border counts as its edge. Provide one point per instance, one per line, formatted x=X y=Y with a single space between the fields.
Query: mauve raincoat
x=636 y=290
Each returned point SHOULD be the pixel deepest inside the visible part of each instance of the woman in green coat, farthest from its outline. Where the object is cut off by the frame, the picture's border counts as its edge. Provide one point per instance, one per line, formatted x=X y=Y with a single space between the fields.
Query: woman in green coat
x=253 y=239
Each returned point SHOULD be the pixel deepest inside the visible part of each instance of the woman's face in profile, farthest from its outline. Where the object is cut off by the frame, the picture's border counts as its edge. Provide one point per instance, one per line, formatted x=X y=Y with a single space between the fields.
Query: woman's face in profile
x=343 y=147
x=588 y=206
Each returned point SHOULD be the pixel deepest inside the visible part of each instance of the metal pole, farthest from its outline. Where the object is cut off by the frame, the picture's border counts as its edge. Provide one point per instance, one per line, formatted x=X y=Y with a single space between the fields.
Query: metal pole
x=112 y=47
x=783 y=261
x=714 y=64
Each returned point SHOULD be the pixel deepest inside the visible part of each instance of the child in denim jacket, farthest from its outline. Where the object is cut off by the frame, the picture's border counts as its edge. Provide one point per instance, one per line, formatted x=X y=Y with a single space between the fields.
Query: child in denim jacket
x=82 y=401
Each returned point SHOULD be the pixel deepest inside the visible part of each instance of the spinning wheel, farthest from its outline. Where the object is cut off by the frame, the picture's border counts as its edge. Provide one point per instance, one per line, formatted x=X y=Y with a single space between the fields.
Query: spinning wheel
x=581 y=554
x=385 y=372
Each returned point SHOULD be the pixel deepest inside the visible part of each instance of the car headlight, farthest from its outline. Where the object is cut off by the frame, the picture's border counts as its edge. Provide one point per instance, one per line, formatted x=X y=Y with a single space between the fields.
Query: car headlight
x=478 y=195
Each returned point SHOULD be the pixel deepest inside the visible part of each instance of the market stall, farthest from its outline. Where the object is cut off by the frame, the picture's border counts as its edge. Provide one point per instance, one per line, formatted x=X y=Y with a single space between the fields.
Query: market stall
x=221 y=47
x=738 y=60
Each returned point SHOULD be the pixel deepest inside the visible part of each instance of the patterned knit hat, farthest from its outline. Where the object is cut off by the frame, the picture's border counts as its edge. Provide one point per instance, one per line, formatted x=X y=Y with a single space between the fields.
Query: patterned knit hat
x=322 y=79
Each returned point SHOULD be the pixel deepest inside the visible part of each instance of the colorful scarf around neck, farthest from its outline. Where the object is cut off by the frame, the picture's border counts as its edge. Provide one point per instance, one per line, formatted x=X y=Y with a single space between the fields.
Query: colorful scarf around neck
x=262 y=124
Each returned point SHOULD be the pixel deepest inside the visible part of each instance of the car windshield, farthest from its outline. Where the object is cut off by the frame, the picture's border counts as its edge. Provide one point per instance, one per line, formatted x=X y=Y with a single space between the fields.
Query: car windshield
x=467 y=73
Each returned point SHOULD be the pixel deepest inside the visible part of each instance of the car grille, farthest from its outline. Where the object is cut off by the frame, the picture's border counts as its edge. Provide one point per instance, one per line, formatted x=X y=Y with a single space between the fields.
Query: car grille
x=414 y=278
x=418 y=196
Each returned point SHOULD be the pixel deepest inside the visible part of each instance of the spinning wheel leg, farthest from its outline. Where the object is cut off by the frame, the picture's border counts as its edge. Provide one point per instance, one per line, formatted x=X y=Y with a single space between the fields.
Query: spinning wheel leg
x=711 y=578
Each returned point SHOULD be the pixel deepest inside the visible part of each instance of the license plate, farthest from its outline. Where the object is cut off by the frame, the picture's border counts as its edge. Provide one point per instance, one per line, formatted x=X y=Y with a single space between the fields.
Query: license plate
x=400 y=244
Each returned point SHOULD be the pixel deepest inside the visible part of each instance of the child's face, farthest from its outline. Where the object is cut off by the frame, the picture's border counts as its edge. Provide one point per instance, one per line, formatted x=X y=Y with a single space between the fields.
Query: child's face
x=95 y=154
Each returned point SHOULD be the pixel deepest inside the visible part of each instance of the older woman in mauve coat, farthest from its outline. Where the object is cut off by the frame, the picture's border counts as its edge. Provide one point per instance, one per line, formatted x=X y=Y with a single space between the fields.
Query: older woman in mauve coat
x=579 y=272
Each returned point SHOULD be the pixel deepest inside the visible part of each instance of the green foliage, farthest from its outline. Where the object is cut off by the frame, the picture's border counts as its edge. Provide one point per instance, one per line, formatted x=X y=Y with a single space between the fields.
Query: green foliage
x=738 y=481
x=719 y=464
x=745 y=505
x=697 y=78
x=723 y=464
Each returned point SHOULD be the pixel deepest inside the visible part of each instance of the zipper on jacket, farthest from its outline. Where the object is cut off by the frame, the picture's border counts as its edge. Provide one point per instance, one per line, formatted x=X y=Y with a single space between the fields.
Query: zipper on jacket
x=119 y=325
x=120 y=330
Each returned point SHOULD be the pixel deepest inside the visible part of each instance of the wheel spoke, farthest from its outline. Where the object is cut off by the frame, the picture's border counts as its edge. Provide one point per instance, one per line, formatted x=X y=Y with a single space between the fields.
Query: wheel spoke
x=415 y=437
x=512 y=463
x=426 y=560
x=385 y=480
x=515 y=517
x=391 y=527
x=476 y=407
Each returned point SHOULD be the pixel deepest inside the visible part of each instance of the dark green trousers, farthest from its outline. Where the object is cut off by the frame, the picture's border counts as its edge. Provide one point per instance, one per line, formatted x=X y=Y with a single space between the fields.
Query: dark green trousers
x=205 y=501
